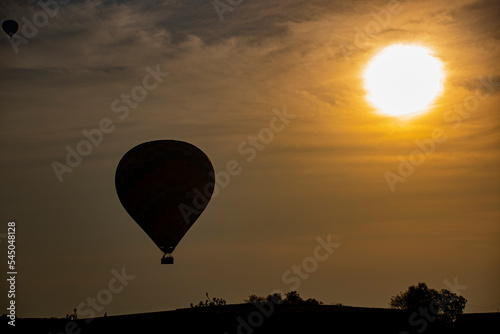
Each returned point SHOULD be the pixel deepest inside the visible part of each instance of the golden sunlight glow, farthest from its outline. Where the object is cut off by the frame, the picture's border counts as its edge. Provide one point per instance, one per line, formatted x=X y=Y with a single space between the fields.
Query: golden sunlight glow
x=403 y=80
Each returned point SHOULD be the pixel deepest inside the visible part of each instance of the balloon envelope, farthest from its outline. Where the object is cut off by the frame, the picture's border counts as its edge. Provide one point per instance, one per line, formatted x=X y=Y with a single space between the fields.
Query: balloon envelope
x=10 y=27
x=165 y=185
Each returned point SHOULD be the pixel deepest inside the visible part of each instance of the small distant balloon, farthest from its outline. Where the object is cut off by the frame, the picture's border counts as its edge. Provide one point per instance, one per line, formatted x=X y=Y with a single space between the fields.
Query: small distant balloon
x=10 y=27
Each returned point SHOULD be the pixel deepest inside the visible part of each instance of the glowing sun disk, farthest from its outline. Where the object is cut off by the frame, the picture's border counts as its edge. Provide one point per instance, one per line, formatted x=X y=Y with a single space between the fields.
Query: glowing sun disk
x=403 y=80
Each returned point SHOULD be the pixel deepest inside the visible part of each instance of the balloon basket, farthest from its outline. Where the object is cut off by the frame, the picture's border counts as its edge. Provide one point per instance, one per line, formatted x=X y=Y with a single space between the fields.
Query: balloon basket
x=167 y=259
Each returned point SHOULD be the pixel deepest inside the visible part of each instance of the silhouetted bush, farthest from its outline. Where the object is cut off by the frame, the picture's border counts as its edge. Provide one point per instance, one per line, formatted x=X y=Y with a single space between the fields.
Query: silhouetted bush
x=291 y=298
x=208 y=302
x=73 y=316
x=255 y=299
x=312 y=301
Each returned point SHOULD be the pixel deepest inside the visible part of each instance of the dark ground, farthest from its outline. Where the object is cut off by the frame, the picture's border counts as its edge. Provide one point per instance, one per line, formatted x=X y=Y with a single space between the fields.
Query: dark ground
x=283 y=319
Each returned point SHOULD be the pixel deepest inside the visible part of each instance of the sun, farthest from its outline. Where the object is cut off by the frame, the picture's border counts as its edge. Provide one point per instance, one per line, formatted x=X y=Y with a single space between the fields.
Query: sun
x=403 y=80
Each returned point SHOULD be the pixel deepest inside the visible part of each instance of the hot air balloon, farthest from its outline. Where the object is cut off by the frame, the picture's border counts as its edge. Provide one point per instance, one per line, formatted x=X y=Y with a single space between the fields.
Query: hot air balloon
x=165 y=185
x=10 y=27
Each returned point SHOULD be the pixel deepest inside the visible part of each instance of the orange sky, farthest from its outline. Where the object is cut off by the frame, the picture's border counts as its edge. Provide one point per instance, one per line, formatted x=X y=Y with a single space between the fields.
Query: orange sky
x=323 y=174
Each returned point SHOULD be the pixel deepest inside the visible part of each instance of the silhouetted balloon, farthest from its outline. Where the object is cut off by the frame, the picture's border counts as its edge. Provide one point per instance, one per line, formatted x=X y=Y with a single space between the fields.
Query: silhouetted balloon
x=10 y=27
x=165 y=185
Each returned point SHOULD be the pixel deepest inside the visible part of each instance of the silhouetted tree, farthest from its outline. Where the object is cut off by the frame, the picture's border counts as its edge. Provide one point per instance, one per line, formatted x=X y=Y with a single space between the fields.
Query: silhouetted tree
x=451 y=305
x=275 y=298
x=416 y=296
x=293 y=297
x=448 y=304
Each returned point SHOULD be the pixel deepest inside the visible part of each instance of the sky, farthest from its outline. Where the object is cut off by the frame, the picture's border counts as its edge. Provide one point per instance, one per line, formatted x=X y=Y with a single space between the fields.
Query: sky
x=289 y=71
